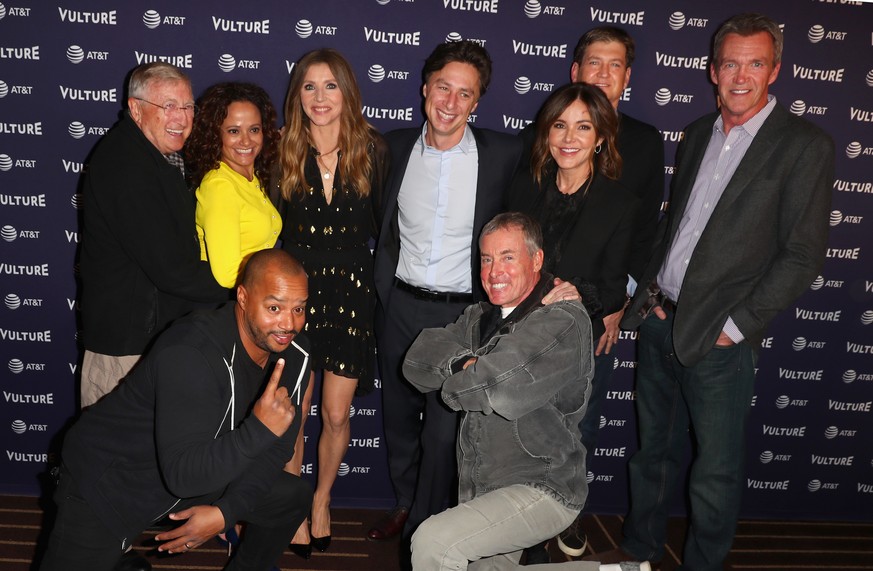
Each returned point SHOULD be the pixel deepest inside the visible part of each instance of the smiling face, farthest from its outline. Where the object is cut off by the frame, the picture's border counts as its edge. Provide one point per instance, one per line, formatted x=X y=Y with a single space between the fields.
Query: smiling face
x=604 y=64
x=166 y=131
x=273 y=311
x=320 y=95
x=509 y=273
x=572 y=139
x=450 y=96
x=242 y=137
x=743 y=72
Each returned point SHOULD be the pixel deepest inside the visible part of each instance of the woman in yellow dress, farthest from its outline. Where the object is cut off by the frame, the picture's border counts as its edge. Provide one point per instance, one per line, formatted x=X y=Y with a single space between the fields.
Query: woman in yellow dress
x=232 y=147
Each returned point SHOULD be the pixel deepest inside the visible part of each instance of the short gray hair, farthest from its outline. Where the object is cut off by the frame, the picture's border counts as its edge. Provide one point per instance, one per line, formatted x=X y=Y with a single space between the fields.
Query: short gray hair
x=746 y=25
x=530 y=229
x=143 y=76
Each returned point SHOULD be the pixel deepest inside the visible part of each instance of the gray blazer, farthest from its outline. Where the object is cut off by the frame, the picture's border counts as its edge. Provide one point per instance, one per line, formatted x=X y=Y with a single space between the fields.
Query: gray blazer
x=766 y=239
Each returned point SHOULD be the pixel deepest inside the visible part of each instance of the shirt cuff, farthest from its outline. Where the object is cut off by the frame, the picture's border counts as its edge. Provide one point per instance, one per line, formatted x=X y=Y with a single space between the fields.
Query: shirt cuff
x=731 y=330
x=631 y=286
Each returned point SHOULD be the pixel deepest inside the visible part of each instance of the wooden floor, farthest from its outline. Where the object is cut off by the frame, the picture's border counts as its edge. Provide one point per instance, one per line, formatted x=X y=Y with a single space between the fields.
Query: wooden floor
x=764 y=545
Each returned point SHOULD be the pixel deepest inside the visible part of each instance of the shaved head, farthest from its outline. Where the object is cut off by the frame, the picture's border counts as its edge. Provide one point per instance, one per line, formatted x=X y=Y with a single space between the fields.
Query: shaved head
x=270 y=262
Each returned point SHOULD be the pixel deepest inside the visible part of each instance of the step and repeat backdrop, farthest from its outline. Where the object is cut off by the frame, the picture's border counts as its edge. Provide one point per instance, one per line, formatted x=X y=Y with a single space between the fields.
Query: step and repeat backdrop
x=62 y=86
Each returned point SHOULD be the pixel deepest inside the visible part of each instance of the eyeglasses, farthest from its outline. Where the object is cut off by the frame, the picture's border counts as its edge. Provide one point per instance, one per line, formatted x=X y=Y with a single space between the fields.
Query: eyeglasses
x=172 y=107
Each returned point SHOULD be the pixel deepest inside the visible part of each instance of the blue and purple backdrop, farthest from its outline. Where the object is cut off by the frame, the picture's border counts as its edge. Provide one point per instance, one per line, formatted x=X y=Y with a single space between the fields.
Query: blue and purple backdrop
x=62 y=70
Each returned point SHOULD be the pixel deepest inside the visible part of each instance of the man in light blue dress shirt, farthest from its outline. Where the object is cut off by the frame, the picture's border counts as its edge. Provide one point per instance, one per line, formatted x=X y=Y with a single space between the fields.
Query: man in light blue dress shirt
x=447 y=179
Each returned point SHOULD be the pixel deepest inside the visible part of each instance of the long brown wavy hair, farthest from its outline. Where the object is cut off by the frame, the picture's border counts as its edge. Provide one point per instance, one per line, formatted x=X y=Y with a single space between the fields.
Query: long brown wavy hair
x=603 y=118
x=355 y=138
x=203 y=148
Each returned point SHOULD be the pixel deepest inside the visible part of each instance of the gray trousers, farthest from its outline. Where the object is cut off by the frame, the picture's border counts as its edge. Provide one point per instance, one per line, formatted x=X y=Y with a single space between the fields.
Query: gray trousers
x=489 y=532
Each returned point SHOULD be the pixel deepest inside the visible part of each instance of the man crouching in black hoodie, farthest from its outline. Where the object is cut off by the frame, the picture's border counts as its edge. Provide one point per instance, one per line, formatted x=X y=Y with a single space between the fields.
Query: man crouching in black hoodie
x=200 y=431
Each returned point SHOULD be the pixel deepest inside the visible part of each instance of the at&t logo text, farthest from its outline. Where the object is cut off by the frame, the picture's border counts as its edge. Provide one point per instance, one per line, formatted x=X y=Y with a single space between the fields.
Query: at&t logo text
x=6 y=89
x=855 y=149
x=799 y=108
x=678 y=20
x=817 y=33
x=228 y=63
x=377 y=74
x=664 y=96
x=152 y=19
x=533 y=8
x=14 y=11
x=16 y=366
x=767 y=456
x=523 y=85
x=10 y=233
x=13 y=302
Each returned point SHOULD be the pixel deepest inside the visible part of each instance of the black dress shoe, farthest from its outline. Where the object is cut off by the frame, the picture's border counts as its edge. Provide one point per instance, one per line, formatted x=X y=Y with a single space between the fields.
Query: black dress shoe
x=303 y=550
x=132 y=561
x=389 y=526
x=537 y=554
x=320 y=543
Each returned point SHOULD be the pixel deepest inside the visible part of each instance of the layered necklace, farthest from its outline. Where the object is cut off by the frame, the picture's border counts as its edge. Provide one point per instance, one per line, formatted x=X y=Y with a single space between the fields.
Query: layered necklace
x=326 y=172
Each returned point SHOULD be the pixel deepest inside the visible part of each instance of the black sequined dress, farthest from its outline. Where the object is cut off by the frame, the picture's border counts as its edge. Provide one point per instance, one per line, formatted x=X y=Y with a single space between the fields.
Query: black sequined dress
x=332 y=241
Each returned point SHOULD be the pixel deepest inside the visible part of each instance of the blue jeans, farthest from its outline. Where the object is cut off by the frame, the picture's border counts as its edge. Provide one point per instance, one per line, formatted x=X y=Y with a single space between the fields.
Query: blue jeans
x=712 y=398
x=489 y=532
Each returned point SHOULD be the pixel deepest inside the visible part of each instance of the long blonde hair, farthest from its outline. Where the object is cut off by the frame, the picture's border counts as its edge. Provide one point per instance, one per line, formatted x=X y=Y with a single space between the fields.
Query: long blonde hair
x=355 y=138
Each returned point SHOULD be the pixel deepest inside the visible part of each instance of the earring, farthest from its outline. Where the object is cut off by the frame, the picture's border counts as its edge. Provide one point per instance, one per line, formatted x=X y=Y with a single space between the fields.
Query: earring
x=597 y=149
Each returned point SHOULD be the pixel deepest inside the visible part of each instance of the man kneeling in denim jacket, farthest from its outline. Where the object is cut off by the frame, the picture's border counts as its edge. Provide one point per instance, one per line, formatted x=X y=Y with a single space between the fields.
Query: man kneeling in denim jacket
x=521 y=372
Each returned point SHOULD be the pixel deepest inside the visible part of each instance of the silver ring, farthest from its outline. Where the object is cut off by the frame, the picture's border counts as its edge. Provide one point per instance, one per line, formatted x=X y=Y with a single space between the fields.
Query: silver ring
x=187 y=546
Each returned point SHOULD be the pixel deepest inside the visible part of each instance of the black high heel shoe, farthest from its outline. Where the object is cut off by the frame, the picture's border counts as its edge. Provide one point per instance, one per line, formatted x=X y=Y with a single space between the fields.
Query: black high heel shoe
x=303 y=550
x=320 y=543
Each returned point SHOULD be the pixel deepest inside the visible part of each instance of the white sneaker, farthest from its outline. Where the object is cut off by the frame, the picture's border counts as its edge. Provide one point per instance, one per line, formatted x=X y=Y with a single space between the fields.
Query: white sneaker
x=627 y=566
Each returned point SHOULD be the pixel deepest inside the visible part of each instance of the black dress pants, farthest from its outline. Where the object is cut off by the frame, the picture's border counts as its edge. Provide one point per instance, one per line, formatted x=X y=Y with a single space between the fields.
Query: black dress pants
x=79 y=541
x=420 y=430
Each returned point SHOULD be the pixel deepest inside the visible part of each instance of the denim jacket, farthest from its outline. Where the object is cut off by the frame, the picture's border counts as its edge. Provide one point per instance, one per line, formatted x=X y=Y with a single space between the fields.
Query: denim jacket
x=523 y=398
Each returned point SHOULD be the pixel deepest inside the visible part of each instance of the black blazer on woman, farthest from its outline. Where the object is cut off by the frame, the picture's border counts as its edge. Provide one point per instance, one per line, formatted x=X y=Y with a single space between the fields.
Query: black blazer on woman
x=598 y=248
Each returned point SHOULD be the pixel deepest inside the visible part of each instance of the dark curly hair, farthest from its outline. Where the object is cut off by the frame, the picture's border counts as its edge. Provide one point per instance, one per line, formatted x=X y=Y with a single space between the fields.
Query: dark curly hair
x=203 y=148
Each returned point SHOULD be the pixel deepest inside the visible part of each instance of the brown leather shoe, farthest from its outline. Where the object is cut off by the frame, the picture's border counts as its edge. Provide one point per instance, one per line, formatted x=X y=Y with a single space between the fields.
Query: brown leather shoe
x=389 y=526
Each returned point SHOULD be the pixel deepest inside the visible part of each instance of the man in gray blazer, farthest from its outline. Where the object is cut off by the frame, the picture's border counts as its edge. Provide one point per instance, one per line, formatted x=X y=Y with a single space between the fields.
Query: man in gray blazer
x=745 y=236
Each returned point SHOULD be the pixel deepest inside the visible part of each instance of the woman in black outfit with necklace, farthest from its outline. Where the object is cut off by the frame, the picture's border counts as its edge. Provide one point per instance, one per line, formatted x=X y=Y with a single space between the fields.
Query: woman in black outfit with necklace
x=586 y=216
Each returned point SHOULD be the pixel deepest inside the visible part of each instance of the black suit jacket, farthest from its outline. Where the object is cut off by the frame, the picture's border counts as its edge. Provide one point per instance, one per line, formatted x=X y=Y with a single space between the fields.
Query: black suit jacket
x=140 y=255
x=766 y=239
x=498 y=159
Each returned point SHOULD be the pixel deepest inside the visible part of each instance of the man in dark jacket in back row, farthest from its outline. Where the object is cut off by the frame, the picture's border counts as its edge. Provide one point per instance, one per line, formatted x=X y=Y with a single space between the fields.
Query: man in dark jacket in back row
x=140 y=256
x=193 y=434
x=521 y=372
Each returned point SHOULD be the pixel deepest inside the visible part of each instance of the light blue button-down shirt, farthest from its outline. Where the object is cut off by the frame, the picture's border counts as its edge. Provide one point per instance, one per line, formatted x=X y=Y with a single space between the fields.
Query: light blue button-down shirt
x=436 y=203
x=723 y=154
